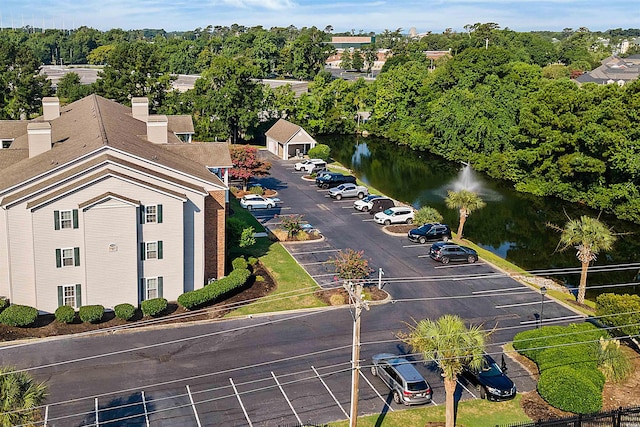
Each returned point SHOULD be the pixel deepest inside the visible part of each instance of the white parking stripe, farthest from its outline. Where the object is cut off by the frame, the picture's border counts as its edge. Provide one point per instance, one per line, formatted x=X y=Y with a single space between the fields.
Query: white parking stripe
x=367 y=220
x=460 y=265
x=489 y=291
x=286 y=398
x=554 y=319
x=330 y=392
x=414 y=246
x=313 y=263
x=523 y=303
x=235 y=390
x=316 y=252
x=376 y=391
x=469 y=391
x=323 y=275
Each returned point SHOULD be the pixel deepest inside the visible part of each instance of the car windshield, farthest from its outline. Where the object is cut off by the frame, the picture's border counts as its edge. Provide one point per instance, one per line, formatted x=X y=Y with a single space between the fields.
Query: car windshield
x=425 y=228
x=370 y=198
x=417 y=386
x=490 y=370
x=388 y=212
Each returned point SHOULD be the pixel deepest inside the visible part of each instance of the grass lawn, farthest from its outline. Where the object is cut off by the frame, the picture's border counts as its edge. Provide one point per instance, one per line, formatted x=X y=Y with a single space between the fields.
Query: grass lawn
x=471 y=413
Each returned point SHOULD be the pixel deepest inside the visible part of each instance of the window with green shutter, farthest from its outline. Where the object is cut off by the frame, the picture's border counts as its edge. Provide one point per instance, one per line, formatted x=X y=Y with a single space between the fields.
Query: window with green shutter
x=70 y=295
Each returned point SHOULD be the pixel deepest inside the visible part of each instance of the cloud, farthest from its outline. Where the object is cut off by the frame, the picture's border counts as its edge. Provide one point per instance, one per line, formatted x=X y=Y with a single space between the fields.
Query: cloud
x=261 y=4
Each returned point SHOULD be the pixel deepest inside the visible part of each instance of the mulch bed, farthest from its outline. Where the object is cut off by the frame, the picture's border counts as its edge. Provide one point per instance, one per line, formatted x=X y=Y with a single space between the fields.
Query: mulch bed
x=325 y=296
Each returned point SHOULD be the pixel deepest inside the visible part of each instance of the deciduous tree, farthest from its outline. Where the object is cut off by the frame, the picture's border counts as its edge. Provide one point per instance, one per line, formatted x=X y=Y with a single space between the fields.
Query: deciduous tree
x=246 y=164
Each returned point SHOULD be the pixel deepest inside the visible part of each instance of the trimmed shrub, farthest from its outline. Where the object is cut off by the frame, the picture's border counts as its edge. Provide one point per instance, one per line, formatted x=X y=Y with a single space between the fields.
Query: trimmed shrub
x=153 y=307
x=65 y=314
x=252 y=260
x=236 y=279
x=534 y=341
x=259 y=278
x=18 y=315
x=239 y=262
x=124 y=311
x=4 y=303
x=256 y=189
x=91 y=313
x=568 y=389
x=320 y=151
x=620 y=311
x=302 y=236
x=575 y=356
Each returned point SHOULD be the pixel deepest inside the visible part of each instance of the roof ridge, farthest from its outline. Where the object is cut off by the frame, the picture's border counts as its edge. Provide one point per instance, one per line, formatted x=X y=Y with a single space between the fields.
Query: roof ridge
x=98 y=115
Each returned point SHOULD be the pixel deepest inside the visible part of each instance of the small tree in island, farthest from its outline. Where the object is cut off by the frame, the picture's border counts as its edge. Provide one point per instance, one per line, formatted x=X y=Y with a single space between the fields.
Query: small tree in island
x=246 y=164
x=351 y=265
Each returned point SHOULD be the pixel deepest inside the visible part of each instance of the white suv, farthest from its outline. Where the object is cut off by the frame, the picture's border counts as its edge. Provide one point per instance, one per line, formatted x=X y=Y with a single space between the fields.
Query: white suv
x=309 y=164
x=395 y=215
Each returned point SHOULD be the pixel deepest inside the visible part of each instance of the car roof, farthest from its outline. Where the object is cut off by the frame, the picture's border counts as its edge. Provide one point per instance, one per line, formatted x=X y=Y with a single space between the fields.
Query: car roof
x=402 y=365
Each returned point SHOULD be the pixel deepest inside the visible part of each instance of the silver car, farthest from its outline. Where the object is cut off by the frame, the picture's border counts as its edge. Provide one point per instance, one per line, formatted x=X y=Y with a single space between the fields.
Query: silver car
x=402 y=378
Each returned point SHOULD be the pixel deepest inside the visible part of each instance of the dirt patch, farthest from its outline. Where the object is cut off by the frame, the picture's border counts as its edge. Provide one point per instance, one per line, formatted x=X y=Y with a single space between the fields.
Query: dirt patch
x=400 y=228
x=267 y=193
x=47 y=326
x=340 y=296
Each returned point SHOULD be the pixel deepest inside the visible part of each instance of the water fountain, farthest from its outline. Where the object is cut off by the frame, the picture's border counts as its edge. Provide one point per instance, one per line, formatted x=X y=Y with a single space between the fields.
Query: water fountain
x=468 y=180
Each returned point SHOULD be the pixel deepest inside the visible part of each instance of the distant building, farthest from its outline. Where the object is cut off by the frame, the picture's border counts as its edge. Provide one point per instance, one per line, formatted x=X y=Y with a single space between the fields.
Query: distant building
x=614 y=70
x=286 y=140
x=351 y=42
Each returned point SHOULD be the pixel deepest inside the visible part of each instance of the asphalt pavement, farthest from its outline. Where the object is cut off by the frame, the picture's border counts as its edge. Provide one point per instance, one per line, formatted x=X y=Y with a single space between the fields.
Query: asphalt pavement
x=285 y=368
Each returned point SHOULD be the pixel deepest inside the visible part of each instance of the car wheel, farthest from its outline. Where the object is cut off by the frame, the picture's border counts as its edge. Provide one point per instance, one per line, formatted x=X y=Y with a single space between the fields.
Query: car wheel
x=365 y=209
x=250 y=207
x=338 y=197
x=445 y=260
x=360 y=195
x=325 y=186
x=374 y=371
x=445 y=238
x=269 y=206
x=396 y=397
x=387 y=222
x=409 y=221
x=422 y=240
x=471 y=259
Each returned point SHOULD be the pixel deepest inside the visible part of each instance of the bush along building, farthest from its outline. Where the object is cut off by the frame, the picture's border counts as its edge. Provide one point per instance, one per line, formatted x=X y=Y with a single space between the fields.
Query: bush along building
x=105 y=204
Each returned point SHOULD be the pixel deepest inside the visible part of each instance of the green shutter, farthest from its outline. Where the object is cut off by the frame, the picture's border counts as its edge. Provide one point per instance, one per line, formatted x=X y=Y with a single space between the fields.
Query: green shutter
x=58 y=258
x=160 y=287
x=159 y=249
x=159 y=214
x=56 y=220
x=76 y=257
x=75 y=218
x=78 y=296
x=143 y=252
x=141 y=290
x=142 y=214
x=60 y=296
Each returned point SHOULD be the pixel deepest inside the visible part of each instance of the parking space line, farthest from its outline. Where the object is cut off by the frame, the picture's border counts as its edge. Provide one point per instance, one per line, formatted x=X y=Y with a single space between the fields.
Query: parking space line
x=330 y=392
x=193 y=405
x=235 y=390
x=359 y=213
x=323 y=275
x=413 y=246
x=475 y=264
x=286 y=398
x=376 y=391
x=469 y=391
x=528 y=322
x=524 y=303
x=489 y=291
x=316 y=252
x=313 y=263
x=144 y=405
x=367 y=220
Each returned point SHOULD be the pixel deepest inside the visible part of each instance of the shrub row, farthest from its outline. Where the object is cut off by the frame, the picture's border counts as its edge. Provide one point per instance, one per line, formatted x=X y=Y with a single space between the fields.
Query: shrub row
x=620 y=311
x=65 y=314
x=18 y=315
x=153 y=307
x=124 y=311
x=567 y=357
x=91 y=313
x=236 y=279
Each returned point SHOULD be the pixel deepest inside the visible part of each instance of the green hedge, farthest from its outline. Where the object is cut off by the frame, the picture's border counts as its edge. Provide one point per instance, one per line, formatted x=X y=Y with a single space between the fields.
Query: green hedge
x=4 y=303
x=621 y=311
x=239 y=263
x=236 y=279
x=320 y=151
x=91 y=313
x=570 y=390
x=65 y=314
x=124 y=311
x=153 y=307
x=18 y=315
x=567 y=357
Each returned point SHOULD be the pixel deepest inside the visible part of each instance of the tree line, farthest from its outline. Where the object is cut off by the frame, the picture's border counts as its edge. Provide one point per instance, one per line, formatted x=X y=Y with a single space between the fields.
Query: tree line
x=502 y=99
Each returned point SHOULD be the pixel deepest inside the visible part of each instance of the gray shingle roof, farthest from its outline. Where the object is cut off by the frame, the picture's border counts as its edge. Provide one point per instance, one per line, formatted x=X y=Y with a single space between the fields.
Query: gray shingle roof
x=283 y=130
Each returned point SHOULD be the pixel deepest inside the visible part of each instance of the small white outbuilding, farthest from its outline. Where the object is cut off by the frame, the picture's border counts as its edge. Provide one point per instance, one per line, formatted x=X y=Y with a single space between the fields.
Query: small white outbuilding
x=286 y=140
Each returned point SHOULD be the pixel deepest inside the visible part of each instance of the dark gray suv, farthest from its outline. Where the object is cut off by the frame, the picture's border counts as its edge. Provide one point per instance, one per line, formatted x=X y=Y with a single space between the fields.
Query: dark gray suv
x=402 y=378
x=445 y=252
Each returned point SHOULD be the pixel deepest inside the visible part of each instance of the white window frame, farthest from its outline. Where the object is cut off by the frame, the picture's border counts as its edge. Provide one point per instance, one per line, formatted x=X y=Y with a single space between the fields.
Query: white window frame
x=151 y=285
x=151 y=216
x=64 y=257
x=151 y=248
x=69 y=295
x=68 y=221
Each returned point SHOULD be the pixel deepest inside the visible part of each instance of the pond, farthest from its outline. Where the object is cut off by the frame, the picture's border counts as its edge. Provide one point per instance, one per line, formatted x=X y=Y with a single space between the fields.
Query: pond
x=513 y=225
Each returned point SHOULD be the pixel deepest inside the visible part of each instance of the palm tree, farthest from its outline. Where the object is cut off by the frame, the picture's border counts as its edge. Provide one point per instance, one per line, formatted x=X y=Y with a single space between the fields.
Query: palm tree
x=466 y=202
x=452 y=345
x=589 y=236
x=19 y=397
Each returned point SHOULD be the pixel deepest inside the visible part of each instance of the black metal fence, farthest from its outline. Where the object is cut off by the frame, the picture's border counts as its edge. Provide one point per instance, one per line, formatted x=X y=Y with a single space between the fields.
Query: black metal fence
x=621 y=417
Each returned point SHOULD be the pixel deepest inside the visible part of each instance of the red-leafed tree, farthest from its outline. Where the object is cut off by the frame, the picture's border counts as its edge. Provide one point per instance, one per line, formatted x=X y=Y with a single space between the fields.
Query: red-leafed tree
x=246 y=164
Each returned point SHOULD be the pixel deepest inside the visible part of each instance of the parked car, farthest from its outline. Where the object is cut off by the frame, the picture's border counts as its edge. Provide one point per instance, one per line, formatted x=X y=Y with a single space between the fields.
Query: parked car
x=365 y=204
x=402 y=378
x=381 y=204
x=333 y=179
x=348 y=190
x=445 y=252
x=490 y=381
x=308 y=164
x=430 y=233
x=395 y=215
x=254 y=201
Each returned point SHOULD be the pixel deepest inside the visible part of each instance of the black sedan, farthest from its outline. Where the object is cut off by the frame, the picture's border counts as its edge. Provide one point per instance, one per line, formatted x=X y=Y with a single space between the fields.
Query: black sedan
x=490 y=381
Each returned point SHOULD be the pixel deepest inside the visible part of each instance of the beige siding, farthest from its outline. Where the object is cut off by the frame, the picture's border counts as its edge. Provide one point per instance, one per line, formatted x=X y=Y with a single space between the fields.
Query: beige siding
x=21 y=257
x=5 y=289
x=111 y=254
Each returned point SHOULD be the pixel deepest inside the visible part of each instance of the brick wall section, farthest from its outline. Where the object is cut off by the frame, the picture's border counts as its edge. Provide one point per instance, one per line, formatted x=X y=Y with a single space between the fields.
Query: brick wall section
x=214 y=234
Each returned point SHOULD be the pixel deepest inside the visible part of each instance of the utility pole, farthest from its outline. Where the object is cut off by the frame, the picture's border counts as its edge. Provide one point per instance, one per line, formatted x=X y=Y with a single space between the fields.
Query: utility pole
x=355 y=294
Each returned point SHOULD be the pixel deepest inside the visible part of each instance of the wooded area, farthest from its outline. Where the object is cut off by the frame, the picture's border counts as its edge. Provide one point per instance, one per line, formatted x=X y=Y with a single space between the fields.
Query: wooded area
x=503 y=100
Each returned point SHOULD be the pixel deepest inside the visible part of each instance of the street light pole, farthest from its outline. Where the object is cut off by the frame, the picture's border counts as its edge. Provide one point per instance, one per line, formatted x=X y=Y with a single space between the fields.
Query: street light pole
x=543 y=291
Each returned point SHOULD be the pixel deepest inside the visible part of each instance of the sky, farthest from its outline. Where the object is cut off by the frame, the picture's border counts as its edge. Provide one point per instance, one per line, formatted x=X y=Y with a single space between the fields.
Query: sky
x=358 y=16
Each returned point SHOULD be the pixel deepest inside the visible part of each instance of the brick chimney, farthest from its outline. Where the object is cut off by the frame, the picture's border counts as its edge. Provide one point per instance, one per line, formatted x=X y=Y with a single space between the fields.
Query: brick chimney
x=157 y=129
x=140 y=108
x=39 y=135
x=50 y=107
